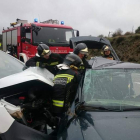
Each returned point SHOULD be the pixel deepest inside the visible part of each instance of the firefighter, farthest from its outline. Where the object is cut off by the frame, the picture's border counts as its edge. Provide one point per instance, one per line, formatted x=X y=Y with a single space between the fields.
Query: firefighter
x=45 y=59
x=82 y=51
x=107 y=52
x=65 y=84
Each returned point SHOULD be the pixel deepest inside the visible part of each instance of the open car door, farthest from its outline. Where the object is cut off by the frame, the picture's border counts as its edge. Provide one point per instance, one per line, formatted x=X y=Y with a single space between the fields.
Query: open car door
x=93 y=43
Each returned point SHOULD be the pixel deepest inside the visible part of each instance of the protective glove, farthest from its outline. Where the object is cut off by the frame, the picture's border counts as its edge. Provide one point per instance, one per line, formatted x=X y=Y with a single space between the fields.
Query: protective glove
x=41 y=65
x=52 y=121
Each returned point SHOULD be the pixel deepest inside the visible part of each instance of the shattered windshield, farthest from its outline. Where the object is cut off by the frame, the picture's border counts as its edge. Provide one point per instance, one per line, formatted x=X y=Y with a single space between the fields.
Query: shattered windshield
x=112 y=87
x=9 y=65
x=53 y=36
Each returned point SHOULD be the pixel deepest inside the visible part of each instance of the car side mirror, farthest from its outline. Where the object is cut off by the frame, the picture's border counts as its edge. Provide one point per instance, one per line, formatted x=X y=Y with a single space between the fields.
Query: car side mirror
x=23 y=32
x=77 y=33
x=35 y=28
x=71 y=45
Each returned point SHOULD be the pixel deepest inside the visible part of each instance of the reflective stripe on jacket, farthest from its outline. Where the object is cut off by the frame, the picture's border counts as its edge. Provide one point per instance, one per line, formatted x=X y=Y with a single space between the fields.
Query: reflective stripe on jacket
x=61 y=80
x=64 y=89
x=68 y=76
x=58 y=103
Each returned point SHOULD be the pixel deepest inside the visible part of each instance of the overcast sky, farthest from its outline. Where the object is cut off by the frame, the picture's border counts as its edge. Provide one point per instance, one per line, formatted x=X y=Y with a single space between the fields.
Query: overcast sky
x=90 y=17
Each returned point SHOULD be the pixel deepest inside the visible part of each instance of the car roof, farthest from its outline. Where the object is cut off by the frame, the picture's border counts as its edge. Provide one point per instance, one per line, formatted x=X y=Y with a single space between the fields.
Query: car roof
x=100 y=63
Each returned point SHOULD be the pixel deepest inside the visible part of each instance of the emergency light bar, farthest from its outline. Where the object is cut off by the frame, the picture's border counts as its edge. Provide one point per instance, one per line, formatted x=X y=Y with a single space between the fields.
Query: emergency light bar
x=62 y=22
x=51 y=21
x=35 y=20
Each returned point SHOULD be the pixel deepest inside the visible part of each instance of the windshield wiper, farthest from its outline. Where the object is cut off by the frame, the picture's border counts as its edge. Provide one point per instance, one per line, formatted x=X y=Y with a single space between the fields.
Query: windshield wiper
x=96 y=108
x=131 y=109
x=63 y=42
x=47 y=43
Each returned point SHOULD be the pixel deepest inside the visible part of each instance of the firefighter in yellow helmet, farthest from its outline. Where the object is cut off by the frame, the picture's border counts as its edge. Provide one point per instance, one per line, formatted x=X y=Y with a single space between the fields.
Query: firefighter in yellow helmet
x=107 y=52
x=45 y=59
x=82 y=51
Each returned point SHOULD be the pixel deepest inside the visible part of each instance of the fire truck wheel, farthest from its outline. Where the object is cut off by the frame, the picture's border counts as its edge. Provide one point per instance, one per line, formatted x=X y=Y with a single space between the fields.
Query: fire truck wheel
x=21 y=59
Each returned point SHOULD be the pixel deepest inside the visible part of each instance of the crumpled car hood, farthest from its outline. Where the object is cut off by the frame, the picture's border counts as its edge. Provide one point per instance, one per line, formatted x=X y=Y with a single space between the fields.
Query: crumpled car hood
x=110 y=125
x=32 y=73
x=104 y=126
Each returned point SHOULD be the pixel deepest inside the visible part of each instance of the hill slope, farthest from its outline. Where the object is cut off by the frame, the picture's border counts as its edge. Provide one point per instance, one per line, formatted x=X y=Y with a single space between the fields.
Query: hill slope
x=127 y=47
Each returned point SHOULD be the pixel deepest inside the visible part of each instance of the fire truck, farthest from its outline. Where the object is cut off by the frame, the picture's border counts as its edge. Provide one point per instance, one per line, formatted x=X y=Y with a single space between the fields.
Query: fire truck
x=22 y=38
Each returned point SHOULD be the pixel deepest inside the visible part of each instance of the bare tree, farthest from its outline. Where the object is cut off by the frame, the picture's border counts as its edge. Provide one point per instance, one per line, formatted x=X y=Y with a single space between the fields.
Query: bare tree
x=118 y=32
x=137 y=31
x=101 y=35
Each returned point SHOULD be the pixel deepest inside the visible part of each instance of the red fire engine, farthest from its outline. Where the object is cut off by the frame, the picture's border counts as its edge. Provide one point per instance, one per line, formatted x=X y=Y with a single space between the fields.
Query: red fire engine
x=23 y=38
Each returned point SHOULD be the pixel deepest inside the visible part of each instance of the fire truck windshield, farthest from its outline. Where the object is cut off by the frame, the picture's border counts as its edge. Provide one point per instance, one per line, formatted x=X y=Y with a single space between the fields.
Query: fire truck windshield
x=53 y=36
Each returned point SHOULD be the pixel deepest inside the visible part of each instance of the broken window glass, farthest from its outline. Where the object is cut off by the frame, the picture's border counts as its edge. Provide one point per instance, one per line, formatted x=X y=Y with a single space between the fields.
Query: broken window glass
x=112 y=87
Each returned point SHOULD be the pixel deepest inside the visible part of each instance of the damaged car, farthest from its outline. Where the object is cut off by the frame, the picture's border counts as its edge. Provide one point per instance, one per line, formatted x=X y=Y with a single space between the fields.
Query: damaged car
x=25 y=96
x=108 y=100
x=106 y=105
x=109 y=103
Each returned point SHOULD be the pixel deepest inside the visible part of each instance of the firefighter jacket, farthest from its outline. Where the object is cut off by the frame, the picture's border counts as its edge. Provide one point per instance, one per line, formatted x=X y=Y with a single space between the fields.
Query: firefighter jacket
x=109 y=57
x=64 y=90
x=84 y=66
x=50 y=64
